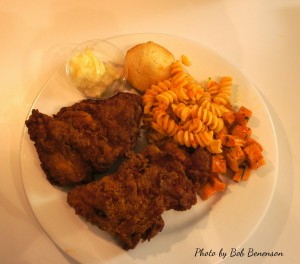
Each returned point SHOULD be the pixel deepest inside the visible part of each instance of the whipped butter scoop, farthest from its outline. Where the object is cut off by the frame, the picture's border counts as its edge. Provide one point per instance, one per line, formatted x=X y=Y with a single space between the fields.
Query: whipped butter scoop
x=96 y=69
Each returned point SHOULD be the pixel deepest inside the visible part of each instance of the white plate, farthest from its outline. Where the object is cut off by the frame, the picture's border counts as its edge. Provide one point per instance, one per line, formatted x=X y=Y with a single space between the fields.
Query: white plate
x=224 y=221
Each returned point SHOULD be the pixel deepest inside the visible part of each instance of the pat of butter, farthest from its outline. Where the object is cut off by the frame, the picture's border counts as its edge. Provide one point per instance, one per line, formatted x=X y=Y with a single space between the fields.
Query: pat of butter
x=85 y=69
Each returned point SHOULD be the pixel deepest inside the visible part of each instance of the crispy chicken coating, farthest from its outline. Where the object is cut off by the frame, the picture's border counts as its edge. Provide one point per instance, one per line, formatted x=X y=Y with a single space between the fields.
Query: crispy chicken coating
x=129 y=203
x=85 y=138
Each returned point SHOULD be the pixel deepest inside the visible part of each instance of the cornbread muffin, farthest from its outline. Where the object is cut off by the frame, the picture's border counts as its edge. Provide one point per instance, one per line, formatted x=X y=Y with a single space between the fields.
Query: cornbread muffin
x=148 y=63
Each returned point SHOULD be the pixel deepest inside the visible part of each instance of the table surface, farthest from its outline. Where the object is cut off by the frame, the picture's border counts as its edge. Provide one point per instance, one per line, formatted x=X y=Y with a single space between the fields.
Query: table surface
x=261 y=38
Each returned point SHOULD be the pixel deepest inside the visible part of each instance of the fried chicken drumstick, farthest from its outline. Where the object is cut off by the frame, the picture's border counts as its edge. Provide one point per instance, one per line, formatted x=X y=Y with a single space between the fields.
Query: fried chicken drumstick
x=85 y=138
x=128 y=204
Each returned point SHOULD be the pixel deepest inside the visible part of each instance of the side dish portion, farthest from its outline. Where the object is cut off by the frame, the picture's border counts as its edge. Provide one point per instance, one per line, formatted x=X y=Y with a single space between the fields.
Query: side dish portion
x=199 y=115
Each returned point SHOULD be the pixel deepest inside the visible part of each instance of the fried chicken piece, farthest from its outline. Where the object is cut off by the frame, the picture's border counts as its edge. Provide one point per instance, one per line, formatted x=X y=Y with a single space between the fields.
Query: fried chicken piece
x=197 y=163
x=178 y=152
x=178 y=190
x=199 y=170
x=79 y=141
x=61 y=162
x=117 y=118
x=129 y=203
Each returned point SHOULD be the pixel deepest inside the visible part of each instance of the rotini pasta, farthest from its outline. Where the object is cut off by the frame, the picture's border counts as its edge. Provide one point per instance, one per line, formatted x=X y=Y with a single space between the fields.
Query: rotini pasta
x=195 y=125
x=148 y=101
x=176 y=67
x=206 y=102
x=223 y=95
x=163 y=122
x=182 y=111
x=161 y=86
x=167 y=97
x=208 y=118
x=217 y=109
x=190 y=139
x=181 y=108
x=185 y=60
x=194 y=91
x=212 y=87
x=205 y=99
x=184 y=85
x=149 y=96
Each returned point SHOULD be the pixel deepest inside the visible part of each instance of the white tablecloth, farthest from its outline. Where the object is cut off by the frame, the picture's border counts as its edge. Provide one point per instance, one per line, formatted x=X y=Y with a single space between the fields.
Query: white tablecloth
x=261 y=38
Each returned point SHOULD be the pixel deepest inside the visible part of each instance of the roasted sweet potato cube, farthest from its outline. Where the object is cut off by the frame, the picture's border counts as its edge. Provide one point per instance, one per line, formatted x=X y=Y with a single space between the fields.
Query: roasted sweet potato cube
x=242 y=132
x=253 y=154
x=213 y=185
x=232 y=141
x=242 y=174
x=234 y=157
x=206 y=191
x=229 y=118
x=218 y=164
x=216 y=182
x=253 y=141
x=242 y=116
x=260 y=163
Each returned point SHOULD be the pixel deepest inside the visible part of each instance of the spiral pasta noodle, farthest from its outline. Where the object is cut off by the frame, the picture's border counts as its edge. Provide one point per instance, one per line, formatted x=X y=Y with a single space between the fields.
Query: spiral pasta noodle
x=194 y=140
x=212 y=87
x=223 y=95
x=150 y=94
x=207 y=102
x=164 y=123
x=194 y=92
x=208 y=118
x=176 y=68
x=180 y=108
x=184 y=85
x=167 y=97
x=195 y=125
x=182 y=111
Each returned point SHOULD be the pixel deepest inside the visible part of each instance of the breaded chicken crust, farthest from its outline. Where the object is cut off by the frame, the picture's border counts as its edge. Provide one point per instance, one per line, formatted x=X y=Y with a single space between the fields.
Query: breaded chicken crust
x=85 y=138
x=129 y=203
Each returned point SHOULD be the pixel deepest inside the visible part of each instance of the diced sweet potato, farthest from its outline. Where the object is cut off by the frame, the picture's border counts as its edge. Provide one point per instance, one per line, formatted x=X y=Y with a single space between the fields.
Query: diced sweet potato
x=229 y=118
x=234 y=157
x=253 y=154
x=242 y=174
x=242 y=132
x=260 y=163
x=218 y=164
x=232 y=141
x=253 y=141
x=215 y=184
x=206 y=191
x=242 y=116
